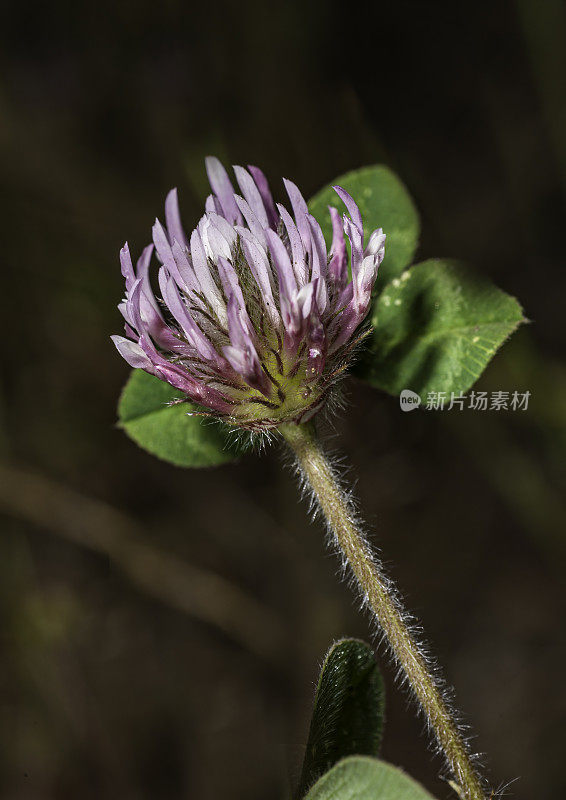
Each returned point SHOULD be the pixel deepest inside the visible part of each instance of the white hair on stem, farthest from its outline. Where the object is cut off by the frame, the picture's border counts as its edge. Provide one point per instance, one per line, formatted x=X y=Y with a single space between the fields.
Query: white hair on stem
x=395 y=629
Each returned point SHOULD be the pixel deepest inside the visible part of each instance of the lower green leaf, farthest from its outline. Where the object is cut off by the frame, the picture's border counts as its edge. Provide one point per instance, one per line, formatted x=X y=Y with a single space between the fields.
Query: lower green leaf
x=348 y=710
x=359 y=778
x=436 y=327
x=167 y=431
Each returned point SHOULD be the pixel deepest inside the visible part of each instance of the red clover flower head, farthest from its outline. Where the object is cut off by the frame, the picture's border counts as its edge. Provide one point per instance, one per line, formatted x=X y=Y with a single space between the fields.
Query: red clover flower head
x=256 y=320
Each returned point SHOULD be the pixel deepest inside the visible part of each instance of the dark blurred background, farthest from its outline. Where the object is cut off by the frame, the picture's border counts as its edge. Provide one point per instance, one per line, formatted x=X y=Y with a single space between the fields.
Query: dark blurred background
x=161 y=629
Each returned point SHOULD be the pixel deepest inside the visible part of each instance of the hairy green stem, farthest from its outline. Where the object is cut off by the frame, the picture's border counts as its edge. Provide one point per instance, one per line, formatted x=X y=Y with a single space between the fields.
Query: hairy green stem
x=384 y=604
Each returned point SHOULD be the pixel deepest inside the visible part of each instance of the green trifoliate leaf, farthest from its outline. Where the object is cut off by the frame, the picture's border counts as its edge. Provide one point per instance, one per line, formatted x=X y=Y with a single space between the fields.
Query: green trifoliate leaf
x=348 y=710
x=359 y=778
x=436 y=327
x=167 y=431
x=384 y=202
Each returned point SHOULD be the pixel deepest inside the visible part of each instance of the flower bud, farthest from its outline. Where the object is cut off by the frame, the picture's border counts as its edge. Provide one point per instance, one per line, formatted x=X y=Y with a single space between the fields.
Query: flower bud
x=256 y=320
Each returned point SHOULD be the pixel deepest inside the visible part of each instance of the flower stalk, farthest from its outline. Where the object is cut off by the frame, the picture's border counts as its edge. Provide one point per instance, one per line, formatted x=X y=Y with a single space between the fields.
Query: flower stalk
x=383 y=603
x=255 y=322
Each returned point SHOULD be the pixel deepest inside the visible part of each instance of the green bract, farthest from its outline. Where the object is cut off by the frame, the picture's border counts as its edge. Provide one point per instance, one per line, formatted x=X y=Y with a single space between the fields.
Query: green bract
x=167 y=431
x=435 y=329
x=384 y=202
x=359 y=778
x=348 y=710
